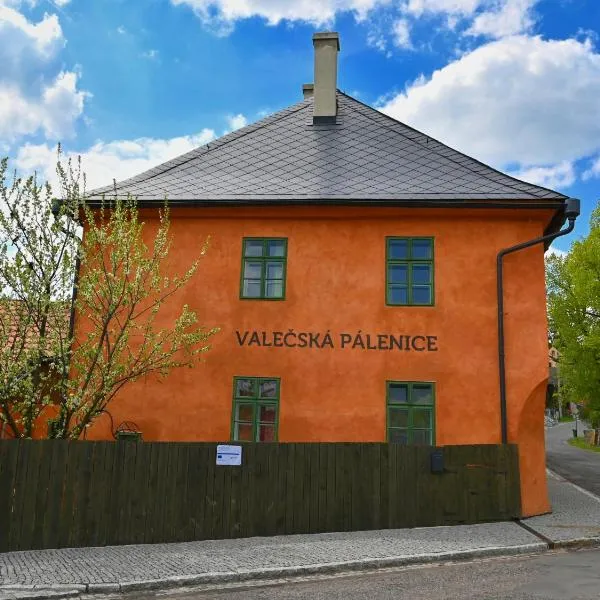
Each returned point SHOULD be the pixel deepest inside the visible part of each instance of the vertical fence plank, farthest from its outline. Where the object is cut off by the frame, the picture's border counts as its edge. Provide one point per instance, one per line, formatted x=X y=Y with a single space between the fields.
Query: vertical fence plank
x=290 y=489
x=9 y=455
x=20 y=517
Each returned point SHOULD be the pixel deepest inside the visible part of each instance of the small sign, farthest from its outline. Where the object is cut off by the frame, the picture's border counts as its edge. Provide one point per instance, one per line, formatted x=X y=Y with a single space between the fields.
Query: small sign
x=229 y=455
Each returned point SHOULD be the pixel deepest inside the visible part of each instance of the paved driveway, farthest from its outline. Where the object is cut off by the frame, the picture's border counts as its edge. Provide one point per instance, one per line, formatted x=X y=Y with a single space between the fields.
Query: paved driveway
x=582 y=467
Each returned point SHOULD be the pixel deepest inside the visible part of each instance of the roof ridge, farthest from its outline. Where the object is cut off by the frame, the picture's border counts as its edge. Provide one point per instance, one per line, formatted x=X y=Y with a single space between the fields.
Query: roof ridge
x=436 y=150
x=218 y=142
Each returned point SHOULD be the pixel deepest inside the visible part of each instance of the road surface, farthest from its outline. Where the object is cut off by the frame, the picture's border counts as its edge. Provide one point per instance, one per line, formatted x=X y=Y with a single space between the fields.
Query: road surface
x=554 y=576
x=582 y=467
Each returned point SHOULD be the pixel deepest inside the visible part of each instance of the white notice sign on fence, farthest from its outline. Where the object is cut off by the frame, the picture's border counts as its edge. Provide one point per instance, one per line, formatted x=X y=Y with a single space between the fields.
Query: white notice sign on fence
x=229 y=455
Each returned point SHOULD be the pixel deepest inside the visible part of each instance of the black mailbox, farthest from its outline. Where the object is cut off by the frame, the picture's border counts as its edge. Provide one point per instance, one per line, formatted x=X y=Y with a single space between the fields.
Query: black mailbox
x=437 y=460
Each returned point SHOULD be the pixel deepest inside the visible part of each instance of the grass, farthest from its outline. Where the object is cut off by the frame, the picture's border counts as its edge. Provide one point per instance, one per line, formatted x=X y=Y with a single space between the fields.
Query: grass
x=566 y=419
x=579 y=442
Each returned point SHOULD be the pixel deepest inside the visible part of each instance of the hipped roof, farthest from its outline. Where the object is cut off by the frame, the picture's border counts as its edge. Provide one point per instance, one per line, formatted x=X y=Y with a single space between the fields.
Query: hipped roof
x=366 y=157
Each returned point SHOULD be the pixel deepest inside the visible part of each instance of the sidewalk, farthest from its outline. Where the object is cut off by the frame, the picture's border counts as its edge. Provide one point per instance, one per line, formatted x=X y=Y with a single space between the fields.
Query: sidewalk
x=575 y=517
x=73 y=572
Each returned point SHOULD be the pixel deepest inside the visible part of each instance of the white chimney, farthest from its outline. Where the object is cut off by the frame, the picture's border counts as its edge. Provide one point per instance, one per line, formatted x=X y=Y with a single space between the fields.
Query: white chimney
x=308 y=90
x=327 y=46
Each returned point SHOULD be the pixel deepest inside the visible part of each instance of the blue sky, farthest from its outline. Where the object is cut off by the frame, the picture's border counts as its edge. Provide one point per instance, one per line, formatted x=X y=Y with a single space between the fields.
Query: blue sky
x=130 y=84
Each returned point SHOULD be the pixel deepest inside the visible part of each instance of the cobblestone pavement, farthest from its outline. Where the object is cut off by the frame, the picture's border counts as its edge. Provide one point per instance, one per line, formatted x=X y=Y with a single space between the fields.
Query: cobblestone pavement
x=575 y=513
x=159 y=561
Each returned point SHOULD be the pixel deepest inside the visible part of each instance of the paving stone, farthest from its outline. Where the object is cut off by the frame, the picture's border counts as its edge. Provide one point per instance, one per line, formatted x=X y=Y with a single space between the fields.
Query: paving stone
x=117 y=564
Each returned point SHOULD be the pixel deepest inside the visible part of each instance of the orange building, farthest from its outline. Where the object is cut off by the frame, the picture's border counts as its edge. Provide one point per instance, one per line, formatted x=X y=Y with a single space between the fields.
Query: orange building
x=352 y=271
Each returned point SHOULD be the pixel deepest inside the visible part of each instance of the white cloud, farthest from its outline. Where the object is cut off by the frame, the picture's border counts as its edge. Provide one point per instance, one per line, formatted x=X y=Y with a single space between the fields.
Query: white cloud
x=23 y=43
x=401 y=34
x=593 y=171
x=121 y=30
x=236 y=122
x=54 y=111
x=517 y=100
x=449 y=7
x=106 y=161
x=61 y=2
x=33 y=96
x=150 y=54
x=317 y=12
x=557 y=176
x=509 y=18
x=553 y=251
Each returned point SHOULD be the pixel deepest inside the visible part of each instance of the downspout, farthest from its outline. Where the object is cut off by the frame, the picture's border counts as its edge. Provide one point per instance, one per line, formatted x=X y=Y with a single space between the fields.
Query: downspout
x=571 y=208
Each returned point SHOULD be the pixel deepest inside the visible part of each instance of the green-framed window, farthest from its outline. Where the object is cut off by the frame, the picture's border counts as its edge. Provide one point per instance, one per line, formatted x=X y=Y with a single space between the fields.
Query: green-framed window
x=263 y=268
x=409 y=271
x=255 y=415
x=410 y=412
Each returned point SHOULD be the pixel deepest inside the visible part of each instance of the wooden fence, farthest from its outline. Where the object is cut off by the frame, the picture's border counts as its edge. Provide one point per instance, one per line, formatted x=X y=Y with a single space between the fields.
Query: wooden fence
x=58 y=494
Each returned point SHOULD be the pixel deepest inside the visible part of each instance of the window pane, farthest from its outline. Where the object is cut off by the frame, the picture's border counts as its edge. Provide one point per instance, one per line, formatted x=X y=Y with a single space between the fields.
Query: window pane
x=268 y=388
x=421 y=274
x=397 y=392
x=421 y=394
x=266 y=433
x=251 y=288
x=397 y=249
x=274 y=289
x=397 y=294
x=421 y=294
x=243 y=432
x=267 y=414
x=274 y=270
x=244 y=412
x=252 y=270
x=245 y=388
x=398 y=274
x=398 y=417
x=421 y=418
x=253 y=248
x=421 y=437
x=276 y=248
x=398 y=436
x=421 y=249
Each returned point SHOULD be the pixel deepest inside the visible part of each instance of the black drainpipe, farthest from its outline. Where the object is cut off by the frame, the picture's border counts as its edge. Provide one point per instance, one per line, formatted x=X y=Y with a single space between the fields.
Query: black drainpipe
x=571 y=212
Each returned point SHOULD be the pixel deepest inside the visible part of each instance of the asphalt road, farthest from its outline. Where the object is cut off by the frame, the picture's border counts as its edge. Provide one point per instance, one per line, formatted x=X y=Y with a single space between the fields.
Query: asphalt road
x=582 y=467
x=554 y=576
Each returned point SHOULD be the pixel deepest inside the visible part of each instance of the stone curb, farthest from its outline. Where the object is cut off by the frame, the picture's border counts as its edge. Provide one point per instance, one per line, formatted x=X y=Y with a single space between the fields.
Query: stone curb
x=54 y=592
x=577 y=543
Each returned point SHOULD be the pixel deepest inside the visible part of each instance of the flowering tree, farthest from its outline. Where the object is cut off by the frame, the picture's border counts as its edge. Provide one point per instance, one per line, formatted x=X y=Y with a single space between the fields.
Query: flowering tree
x=55 y=383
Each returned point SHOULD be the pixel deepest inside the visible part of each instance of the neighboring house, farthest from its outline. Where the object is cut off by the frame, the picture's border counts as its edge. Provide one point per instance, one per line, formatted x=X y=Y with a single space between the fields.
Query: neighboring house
x=352 y=269
x=21 y=344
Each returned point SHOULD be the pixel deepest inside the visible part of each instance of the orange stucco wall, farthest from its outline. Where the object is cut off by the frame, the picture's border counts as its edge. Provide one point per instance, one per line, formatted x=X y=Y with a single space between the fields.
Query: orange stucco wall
x=336 y=283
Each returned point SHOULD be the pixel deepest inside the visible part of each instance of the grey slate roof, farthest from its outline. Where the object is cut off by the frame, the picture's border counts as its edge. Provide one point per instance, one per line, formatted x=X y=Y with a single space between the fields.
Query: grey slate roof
x=364 y=157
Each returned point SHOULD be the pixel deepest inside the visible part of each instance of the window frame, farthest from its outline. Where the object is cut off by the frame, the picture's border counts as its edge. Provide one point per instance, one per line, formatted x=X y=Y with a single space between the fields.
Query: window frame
x=256 y=402
x=263 y=259
x=409 y=262
x=410 y=405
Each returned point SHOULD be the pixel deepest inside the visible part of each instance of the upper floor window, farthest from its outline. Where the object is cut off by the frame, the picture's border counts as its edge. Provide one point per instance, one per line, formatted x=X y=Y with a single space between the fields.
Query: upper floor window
x=263 y=268
x=409 y=271
x=255 y=409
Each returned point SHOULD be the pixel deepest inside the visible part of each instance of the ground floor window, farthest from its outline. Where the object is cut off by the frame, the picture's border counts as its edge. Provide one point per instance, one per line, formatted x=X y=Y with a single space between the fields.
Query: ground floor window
x=410 y=412
x=255 y=409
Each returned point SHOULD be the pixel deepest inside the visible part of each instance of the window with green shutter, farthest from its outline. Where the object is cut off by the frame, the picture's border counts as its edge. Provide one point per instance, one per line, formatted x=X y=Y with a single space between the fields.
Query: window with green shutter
x=409 y=271
x=255 y=409
x=263 y=268
x=410 y=413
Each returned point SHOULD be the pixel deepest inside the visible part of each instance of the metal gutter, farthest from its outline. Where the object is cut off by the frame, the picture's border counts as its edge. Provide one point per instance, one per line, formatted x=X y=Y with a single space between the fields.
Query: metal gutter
x=571 y=212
